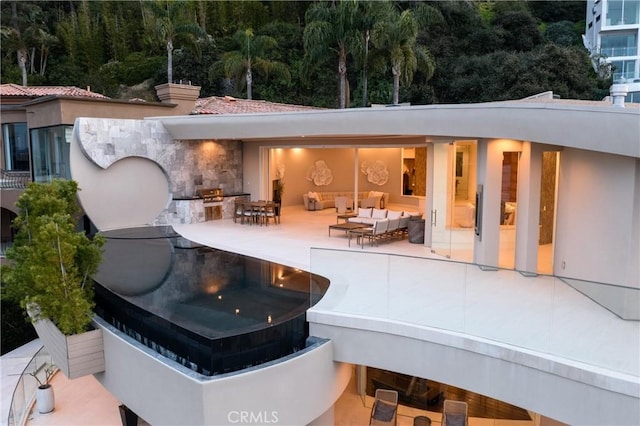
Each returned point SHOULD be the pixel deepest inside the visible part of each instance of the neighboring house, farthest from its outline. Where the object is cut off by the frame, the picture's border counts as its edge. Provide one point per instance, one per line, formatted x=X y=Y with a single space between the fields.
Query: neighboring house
x=612 y=36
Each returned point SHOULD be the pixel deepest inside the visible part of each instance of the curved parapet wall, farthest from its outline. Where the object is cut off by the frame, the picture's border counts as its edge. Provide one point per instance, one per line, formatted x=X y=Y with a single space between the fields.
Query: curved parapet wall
x=292 y=391
x=531 y=342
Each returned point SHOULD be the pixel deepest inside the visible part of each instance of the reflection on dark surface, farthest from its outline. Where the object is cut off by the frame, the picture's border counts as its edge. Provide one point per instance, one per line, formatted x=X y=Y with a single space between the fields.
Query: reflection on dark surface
x=430 y=395
x=211 y=310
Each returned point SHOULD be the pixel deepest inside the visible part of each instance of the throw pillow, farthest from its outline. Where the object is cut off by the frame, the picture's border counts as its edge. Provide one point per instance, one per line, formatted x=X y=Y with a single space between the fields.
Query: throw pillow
x=384 y=412
x=392 y=214
x=364 y=212
x=379 y=213
x=311 y=195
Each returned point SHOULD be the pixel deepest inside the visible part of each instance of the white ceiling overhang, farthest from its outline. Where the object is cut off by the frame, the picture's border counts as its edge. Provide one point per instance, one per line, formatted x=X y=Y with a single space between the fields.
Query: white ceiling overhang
x=598 y=128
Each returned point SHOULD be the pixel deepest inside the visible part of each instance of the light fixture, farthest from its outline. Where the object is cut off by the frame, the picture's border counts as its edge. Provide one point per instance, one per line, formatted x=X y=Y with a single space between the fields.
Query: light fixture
x=237 y=311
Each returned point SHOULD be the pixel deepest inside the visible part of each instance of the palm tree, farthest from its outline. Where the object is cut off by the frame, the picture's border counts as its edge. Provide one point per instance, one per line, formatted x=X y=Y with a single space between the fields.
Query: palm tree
x=371 y=13
x=239 y=64
x=396 y=38
x=169 y=23
x=332 y=27
x=17 y=41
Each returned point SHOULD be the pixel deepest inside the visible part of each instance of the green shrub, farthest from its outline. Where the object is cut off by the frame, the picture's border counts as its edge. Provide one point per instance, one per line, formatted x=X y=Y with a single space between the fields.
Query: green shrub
x=50 y=262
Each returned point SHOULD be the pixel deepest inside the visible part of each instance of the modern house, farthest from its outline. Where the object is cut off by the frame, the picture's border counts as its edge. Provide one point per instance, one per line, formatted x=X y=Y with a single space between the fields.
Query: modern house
x=612 y=36
x=536 y=201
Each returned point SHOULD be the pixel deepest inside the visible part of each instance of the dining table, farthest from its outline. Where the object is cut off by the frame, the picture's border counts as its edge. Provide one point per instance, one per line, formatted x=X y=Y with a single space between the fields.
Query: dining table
x=259 y=211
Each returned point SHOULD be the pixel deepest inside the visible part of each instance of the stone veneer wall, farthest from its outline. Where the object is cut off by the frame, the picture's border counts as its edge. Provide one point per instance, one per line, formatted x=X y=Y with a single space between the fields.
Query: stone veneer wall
x=188 y=165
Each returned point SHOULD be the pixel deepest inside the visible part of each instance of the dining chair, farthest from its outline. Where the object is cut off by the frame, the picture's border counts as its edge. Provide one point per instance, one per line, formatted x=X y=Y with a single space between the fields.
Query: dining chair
x=258 y=212
x=270 y=213
x=247 y=212
x=238 y=210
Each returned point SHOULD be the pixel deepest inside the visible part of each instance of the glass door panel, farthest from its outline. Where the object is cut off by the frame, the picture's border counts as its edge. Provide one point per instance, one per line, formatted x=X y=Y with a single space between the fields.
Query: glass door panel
x=440 y=216
x=508 y=204
x=453 y=214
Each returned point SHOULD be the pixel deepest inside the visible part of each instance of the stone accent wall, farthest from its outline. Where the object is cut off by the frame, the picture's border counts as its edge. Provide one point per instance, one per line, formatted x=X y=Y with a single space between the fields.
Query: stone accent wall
x=188 y=165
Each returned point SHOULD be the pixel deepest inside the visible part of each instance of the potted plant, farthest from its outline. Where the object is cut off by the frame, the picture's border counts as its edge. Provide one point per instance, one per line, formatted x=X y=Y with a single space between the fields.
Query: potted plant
x=50 y=268
x=45 y=398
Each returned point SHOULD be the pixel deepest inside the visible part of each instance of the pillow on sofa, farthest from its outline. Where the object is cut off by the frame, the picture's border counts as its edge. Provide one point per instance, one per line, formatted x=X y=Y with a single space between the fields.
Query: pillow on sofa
x=312 y=195
x=379 y=214
x=376 y=194
x=364 y=212
x=392 y=214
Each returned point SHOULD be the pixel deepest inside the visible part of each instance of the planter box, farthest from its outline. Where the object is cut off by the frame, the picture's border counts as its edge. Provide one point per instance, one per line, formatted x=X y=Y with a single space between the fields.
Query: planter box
x=77 y=355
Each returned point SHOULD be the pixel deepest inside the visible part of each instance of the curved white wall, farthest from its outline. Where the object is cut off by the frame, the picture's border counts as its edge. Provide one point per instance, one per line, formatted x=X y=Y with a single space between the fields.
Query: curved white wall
x=530 y=341
x=586 y=125
x=295 y=391
x=130 y=192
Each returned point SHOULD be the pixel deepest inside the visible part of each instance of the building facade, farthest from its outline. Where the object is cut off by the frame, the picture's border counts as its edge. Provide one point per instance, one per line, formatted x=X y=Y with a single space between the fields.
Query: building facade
x=612 y=36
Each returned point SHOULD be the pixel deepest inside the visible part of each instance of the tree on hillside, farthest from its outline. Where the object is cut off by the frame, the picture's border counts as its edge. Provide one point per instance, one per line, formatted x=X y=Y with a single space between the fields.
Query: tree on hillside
x=396 y=37
x=371 y=13
x=250 y=54
x=168 y=22
x=15 y=37
x=81 y=36
x=331 y=27
x=518 y=29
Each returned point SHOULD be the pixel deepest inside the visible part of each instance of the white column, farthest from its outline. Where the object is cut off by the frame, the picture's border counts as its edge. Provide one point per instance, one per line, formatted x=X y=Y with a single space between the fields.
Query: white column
x=489 y=177
x=528 y=208
x=355 y=181
x=428 y=206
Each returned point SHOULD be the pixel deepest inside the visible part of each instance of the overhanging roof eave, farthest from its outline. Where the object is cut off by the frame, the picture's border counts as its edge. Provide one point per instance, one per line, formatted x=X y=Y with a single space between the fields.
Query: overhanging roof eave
x=603 y=129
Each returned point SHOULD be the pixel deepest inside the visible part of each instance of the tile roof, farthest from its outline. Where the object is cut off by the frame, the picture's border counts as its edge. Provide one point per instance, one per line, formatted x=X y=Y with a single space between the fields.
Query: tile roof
x=39 y=91
x=231 y=105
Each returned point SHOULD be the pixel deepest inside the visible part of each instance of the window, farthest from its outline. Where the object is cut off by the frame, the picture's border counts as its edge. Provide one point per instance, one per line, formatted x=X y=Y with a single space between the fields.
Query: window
x=50 y=148
x=619 y=44
x=623 y=69
x=16 y=147
x=633 y=97
x=623 y=12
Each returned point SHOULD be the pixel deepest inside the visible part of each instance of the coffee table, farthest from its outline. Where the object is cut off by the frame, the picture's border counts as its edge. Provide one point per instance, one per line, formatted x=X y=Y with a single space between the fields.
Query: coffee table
x=360 y=233
x=345 y=216
x=346 y=226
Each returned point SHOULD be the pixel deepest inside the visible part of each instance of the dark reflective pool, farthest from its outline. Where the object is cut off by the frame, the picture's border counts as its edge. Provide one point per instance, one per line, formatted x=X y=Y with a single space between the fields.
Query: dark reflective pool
x=210 y=310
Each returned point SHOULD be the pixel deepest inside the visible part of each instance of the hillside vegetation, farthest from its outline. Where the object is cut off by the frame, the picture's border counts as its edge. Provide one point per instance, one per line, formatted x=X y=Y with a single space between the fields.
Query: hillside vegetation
x=329 y=54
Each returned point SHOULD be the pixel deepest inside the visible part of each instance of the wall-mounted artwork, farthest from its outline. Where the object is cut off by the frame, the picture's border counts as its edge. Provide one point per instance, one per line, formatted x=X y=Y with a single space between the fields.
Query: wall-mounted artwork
x=320 y=174
x=376 y=172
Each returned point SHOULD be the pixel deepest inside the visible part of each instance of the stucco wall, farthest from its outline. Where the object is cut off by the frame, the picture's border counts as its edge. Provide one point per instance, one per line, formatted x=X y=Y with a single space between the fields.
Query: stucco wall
x=596 y=234
x=139 y=169
x=293 y=391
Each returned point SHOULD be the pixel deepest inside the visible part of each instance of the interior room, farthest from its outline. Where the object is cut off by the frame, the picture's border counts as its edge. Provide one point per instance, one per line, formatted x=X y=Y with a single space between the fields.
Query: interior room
x=402 y=173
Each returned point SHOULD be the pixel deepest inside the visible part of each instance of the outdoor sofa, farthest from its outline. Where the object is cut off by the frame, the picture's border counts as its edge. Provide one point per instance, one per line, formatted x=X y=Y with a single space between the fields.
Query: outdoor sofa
x=385 y=223
x=327 y=199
